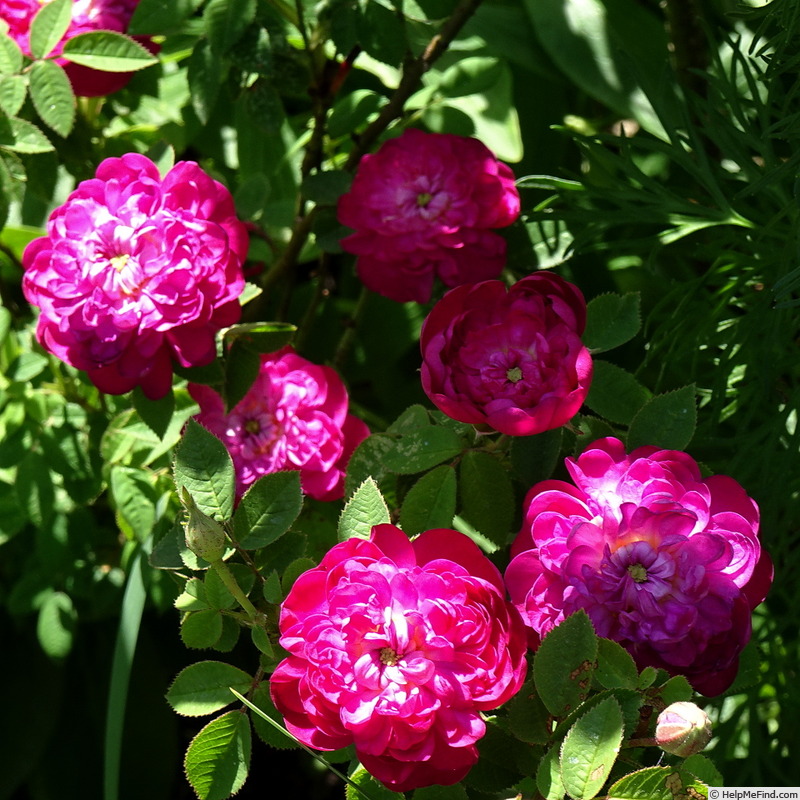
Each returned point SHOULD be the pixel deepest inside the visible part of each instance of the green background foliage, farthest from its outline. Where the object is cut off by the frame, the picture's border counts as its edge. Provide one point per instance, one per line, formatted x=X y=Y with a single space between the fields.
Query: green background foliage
x=656 y=146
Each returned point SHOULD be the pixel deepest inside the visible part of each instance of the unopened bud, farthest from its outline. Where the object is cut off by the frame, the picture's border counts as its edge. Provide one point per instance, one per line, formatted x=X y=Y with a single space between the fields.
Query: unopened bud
x=204 y=535
x=683 y=729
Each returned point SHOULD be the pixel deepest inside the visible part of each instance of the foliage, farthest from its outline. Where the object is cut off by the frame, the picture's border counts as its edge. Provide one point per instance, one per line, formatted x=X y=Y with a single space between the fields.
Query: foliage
x=656 y=151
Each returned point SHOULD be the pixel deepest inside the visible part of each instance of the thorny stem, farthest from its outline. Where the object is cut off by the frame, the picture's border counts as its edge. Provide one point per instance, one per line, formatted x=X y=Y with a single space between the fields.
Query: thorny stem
x=232 y=585
x=413 y=70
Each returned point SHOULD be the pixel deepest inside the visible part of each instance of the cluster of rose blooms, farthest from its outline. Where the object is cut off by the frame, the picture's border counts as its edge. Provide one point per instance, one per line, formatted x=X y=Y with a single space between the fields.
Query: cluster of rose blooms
x=399 y=645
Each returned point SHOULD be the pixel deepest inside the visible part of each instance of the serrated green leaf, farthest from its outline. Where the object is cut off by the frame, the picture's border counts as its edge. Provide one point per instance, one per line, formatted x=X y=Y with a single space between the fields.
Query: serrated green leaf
x=533 y=458
x=156 y=414
x=204 y=688
x=268 y=509
x=10 y=55
x=201 y=630
x=647 y=677
x=615 y=394
x=367 y=461
x=528 y=718
x=12 y=93
x=193 y=597
x=159 y=16
x=431 y=502
x=21 y=136
x=205 y=73
x=455 y=792
x=204 y=467
x=35 y=492
x=266 y=732
x=56 y=625
x=422 y=449
x=49 y=26
x=226 y=21
x=218 y=758
x=564 y=663
x=548 y=776
x=612 y=320
x=261 y=640
x=216 y=592
x=5 y=323
x=294 y=571
x=352 y=110
x=487 y=496
x=242 y=366
x=412 y=418
x=364 y=787
x=261 y=337
x=590 y=749
x=615 y=666
x=703 y=768
x=272 y=588
x=667 y=421
x=108 y=51
x=656 y=783
x=135 y=500
x=362 y=511
x=675 y=690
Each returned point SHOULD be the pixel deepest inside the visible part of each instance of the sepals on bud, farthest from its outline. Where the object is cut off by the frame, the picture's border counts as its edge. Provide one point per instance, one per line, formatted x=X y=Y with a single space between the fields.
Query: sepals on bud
x=683 y=729
x=205 y=537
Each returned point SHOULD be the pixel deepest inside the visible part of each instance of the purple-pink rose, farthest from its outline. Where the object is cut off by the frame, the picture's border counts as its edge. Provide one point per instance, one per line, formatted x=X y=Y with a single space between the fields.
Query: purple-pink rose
x=664 y=561
x=424 y=206
x=87 y=16
x=398 y=646
x=294 y=417
x=510 y=358
x=136 y=272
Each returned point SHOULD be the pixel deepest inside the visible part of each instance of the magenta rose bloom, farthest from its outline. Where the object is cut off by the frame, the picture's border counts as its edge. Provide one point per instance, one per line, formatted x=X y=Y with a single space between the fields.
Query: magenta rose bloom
x=397 y=647
x=511 y=359
x=136 y=272
x=87 y=16
x=664 y=562
x=424 y=206
x=294 y=417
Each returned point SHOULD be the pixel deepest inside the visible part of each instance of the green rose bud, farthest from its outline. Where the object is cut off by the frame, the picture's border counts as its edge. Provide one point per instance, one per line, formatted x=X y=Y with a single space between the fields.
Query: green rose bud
x=205 y=537
x=683 y=729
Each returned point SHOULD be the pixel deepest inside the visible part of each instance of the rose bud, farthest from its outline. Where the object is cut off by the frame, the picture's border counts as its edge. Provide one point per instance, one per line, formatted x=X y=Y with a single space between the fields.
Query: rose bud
x=683 y=729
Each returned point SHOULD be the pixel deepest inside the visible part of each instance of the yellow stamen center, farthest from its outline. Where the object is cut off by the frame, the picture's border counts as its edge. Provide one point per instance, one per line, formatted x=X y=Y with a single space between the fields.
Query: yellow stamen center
x=119 y=262
x=514 y=374
x=388 y=656
x=423 y=198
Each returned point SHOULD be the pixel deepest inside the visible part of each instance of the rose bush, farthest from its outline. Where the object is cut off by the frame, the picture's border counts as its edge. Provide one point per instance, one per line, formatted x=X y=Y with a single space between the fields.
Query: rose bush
x=663 y=561
x=423 y=206
x=137 y=271
x=511 y=359
x=87 y=16
x=294 y=417
x=398 y=647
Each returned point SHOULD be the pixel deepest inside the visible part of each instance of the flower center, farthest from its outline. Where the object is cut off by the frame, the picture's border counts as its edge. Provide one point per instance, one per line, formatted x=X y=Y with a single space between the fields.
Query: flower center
x=637 y=572
x=514 y=374
x=252 y=426
x=423 y=198
x=388 y=656
x=119 y=262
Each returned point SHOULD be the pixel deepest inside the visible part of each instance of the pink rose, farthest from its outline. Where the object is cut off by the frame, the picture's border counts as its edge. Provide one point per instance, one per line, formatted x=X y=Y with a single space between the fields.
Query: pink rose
x=511 y=359
x=136 y=272
x=423 y=206
x=87 y=16
x=664 y=562
x=398 y=647
x=294 y=417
